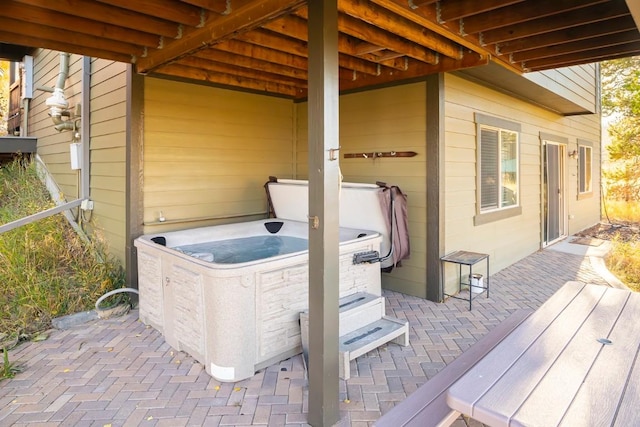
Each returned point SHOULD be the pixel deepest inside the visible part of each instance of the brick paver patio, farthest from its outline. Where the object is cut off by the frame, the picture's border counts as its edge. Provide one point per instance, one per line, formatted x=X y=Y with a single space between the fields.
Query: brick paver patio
x=118 y=372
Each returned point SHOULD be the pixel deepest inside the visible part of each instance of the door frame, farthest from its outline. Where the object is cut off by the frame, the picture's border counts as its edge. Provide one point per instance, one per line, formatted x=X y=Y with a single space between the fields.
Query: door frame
x=563 y=221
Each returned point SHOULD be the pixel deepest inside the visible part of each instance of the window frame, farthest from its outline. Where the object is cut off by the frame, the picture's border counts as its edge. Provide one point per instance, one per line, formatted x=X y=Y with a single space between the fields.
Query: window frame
x=484 y=216
x=587 y=146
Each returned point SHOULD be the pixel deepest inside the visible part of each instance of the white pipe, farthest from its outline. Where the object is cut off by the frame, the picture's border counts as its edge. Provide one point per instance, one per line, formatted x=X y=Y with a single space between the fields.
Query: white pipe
x=57 y=102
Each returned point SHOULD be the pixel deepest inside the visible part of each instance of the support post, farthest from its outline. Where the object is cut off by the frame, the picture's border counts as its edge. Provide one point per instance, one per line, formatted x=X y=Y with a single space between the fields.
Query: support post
x=134 y=214
x=323 y=213
x=435 y=184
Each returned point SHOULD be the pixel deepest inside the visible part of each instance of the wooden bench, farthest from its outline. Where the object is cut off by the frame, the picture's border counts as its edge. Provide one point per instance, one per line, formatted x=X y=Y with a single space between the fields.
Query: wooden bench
x=427 y=406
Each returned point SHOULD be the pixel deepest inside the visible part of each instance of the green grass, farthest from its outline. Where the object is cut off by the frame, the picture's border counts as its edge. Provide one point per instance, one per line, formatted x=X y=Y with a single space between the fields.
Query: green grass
x=46 y=269
x=8 y=369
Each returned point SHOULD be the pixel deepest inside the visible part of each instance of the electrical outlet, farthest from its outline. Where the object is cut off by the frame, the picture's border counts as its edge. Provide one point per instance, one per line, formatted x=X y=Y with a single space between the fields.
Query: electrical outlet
x=86 y=205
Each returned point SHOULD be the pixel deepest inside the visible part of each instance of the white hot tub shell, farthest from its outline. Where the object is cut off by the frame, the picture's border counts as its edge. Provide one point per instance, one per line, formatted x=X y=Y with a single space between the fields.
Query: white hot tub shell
x=239 y=318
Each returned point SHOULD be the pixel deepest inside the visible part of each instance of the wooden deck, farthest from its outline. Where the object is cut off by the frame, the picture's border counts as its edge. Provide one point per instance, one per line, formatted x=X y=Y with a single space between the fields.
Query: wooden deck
x=573 y=362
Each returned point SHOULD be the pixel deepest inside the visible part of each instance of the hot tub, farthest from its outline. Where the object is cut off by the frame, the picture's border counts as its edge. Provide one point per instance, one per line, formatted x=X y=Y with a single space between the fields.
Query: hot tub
x=239 y=315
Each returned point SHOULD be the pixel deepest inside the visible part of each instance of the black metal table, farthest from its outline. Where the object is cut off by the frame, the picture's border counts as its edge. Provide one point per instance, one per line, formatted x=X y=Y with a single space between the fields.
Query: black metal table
x=464 y=258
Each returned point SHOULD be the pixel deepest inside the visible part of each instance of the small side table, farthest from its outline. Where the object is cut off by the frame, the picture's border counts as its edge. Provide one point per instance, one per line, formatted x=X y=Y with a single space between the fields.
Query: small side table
x=464 y=258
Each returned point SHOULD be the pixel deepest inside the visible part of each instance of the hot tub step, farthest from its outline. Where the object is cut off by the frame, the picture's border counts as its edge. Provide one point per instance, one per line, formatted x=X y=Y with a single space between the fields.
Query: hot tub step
x=369 y=337
x=363 y=326
x=356 y=310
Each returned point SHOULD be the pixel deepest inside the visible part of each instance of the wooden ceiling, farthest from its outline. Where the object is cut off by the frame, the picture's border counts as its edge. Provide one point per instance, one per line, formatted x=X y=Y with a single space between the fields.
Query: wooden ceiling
x=261 y=45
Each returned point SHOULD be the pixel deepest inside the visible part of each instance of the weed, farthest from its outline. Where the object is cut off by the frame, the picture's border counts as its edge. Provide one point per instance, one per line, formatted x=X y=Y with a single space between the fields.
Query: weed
x=624 y=261
x=9 y=369
x=46 y=269
x=620 y=210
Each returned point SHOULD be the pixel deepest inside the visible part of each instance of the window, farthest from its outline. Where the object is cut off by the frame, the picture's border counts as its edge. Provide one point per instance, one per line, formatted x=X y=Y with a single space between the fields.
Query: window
x=585 y=157
x=498 y=169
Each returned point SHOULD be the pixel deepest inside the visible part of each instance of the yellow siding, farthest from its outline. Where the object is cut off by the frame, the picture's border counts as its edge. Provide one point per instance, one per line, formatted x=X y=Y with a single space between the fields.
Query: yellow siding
x=208 y=152
x=390 y=119
x=108 y=152
x=511 y=239
x=53 y=146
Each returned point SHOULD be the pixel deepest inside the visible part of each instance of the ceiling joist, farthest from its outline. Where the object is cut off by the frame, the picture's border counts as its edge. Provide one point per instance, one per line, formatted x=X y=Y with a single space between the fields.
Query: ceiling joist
x=261 y=45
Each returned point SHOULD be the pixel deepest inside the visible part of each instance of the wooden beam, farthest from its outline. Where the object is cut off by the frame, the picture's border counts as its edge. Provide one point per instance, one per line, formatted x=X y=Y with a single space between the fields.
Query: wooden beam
x=227 y=80
x=621 y=54
x=371 y=34
x=295 y=26
x=169 y=10
x=582 y=32
x=584 y=57
x=220 y=67
x=366 y=47
x=266 y=38
x=69 y=37
x=261 y=53
x=217 y=29
x=223 y=7
x=253 y=63
x=379 y=17
x=456 y=9
x=37 y=15
x=24 y=40
x=577 y=46
x=587 y=15
x=111 y=15
x=416 y=70
x=426 y=17
x=521 y=12
x=298 y=47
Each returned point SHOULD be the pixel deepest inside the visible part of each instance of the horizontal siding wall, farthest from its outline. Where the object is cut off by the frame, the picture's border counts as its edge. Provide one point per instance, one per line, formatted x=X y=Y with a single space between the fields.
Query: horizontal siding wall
x=207 y=153
x=578 y=84
x=108 y=152
x=508 y=240
x=390 y=119
x=53 y=146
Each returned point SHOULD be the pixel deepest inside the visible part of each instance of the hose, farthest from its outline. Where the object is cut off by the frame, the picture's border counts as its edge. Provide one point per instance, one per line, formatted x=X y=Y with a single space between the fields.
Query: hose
x=101 y=311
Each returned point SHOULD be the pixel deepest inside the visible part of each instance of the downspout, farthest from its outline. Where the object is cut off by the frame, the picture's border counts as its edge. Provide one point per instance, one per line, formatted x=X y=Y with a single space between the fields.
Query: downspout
x=85 y=128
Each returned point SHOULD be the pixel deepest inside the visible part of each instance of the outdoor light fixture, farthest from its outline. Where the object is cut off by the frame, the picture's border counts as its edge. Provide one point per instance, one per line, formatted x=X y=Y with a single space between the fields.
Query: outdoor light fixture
x=573 y=154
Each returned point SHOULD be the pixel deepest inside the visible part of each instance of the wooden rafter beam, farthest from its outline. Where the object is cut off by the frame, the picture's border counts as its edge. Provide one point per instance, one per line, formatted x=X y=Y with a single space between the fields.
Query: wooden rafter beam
x=378 y=17
x=366 y=47
x=31 y=40
x=63 y=21
x=586 y=60
x=372 y=34
x=254 y=74
x=220 y=28
x=253 y=63
x=111 y=15
x=69 y=37
x=582 y=32
x=222 y=79
x=169 y=10
x=457 y=9
x=519 y=13
x=425 y=17
x=584 y=57
x=274 y=40
x=590 y=44
x=239 y=47
x=295 y=27
x=416 y=70
x=587 y=15
x=223 y=7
